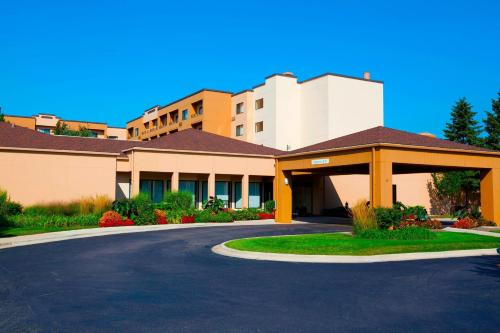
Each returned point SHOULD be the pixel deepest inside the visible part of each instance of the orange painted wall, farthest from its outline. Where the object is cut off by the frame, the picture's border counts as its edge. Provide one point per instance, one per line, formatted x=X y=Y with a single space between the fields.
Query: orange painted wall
x=216 y=116
x=27 y=122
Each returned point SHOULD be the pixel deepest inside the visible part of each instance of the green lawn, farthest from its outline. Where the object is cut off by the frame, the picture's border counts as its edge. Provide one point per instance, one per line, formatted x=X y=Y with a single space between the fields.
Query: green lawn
x=494 y=231
x=14 y=231
x=342 y=244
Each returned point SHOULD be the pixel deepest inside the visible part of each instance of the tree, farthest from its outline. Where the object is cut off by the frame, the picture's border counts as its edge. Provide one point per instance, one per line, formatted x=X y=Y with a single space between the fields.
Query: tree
x=2 y=116
x=492 y=125
x=63 y=129
x=463 y=128
x=460 y=187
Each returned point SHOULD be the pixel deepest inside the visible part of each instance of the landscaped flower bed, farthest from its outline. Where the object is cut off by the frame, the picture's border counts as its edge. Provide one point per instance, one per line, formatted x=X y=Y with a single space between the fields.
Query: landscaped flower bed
x=113 y=219
x=266 y=216
x=177 y=208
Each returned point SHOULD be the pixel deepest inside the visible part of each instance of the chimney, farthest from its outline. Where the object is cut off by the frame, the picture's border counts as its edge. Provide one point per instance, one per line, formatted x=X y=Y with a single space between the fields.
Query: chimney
x=366 y=75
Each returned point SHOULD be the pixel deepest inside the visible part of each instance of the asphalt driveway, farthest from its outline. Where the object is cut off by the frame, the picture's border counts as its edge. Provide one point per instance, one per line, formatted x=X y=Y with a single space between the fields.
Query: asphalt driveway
x=171 y=281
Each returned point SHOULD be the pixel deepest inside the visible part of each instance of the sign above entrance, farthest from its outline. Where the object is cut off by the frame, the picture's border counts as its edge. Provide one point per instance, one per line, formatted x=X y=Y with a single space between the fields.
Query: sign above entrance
x=320 y=161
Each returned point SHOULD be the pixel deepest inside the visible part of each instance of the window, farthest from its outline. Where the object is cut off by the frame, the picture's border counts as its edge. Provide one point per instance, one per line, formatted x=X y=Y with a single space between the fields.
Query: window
x=113 y=137
x=136 y=132
x=163 y=120
x=222 y=192
x=240 y=130
x=154 y=188
x=188 y=186
x=184 y=114
x=259 y=104
x=44 y=130
x=239 y=108
x=238 y=202
x=199 y=109
x=92 y=134
x=254 y=195
x=259 y=127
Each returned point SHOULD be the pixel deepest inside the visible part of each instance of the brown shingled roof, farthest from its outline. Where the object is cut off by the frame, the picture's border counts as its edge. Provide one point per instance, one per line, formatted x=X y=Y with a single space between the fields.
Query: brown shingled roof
x=195 y=140
x=20 y=137
x=190 y=139
x=380 y=135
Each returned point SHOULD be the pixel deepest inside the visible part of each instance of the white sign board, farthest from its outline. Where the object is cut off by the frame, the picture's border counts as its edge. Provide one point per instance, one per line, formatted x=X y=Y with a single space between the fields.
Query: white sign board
x=320 y=161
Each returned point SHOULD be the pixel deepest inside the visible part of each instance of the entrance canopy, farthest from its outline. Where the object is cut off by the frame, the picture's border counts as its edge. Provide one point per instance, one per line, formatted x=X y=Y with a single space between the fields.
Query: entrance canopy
x=382 y=152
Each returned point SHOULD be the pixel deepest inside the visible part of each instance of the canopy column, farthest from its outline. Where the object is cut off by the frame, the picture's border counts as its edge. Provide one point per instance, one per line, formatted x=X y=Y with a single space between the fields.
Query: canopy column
x=490 y=195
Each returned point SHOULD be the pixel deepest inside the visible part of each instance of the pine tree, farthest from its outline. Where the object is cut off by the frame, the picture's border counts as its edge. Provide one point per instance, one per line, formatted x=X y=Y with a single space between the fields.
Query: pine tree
x=492 y=125
x=463 y=128
x=2 y=117
x=460 y=186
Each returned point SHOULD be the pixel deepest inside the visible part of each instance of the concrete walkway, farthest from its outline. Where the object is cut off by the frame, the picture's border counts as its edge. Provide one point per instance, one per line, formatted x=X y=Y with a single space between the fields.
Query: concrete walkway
x=96 y=232
x=474 y=231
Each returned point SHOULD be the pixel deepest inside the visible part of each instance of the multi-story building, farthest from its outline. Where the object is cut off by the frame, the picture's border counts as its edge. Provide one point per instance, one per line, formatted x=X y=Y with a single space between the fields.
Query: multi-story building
x=207 y=110
x=288 y=114
x=46 y=123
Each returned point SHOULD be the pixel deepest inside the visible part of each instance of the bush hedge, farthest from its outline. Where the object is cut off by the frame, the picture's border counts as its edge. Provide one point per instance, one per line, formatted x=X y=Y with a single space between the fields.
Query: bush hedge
x=44 y=221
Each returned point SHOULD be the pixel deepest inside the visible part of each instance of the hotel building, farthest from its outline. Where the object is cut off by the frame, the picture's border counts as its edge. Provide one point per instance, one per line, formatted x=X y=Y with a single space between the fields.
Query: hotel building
x=46 y=123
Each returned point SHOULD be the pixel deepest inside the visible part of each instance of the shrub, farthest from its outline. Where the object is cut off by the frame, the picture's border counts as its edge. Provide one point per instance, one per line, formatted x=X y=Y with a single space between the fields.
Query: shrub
x=145 y=213
x=433 y=224
x=187 y=219
x=7 y=207
x=125 y=207
x=465 y=223
x=485 y=223
x=388 y=217
x=54 y=208
x=94 y=205
x=265 y=216
x=161 y=217
x=411 y=223
x=409 y=233
x=269 y=206
x=363 y=216
x=3 y=203
x=177 y=200
x=207 y=216
x=13 y=208
x=110 y=219
x=245 y=214
x=214 y=205
x=46 y=221
x=418 y=212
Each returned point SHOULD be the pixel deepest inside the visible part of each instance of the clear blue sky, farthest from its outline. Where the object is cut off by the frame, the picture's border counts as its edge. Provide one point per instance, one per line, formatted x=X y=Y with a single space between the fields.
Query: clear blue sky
x=110 y=60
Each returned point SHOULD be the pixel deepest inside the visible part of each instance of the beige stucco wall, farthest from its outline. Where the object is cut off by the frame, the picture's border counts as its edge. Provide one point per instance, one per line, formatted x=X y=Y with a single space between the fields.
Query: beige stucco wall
x=31 y=177
x=201 y=163
x=120 y=133
x=411 y=189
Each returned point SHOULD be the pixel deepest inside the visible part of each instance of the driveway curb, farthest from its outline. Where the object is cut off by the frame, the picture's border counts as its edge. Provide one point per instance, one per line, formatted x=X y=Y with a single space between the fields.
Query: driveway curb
x=97 y=232
x=222 y=249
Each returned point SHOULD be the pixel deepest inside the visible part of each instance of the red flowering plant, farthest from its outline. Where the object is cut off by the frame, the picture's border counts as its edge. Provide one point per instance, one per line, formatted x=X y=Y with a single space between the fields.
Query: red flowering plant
x=465 y=223
x=187 y=219
x=265 y=216
x=161 y=217
x=113 y=219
